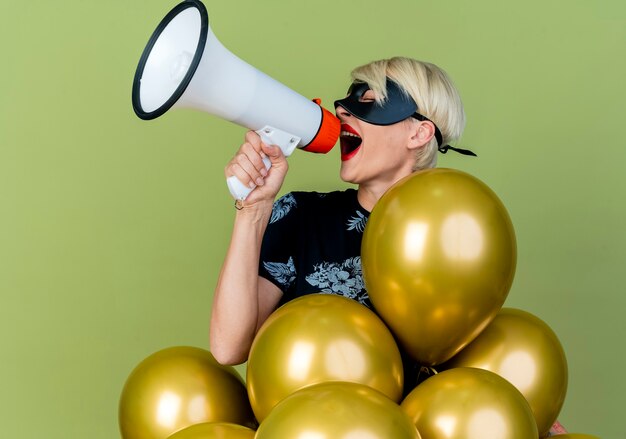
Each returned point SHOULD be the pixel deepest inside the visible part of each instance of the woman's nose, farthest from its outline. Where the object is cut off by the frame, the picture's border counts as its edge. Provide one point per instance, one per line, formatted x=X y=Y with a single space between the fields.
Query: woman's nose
x=341 y=112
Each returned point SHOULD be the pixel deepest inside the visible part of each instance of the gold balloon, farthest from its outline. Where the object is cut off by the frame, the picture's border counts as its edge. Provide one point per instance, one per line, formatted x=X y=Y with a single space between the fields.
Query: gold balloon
x=468 y=403
x=337 y=410
x=318 y=338
x=178 y=387
x=523 y=349
x=438 y=257
x=214 y=430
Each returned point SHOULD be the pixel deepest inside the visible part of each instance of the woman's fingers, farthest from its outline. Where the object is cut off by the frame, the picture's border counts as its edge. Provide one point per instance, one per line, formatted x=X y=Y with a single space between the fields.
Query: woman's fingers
x=247 y=165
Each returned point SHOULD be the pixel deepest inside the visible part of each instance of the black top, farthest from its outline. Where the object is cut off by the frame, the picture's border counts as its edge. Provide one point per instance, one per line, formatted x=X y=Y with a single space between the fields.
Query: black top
x=313 y=244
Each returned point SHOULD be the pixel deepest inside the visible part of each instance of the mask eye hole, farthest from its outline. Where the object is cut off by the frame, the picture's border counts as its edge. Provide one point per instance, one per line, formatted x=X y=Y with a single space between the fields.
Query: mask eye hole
x=368 y=96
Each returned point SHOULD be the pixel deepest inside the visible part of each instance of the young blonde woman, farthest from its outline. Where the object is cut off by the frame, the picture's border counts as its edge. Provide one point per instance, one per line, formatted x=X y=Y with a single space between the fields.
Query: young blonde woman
x=398 y=114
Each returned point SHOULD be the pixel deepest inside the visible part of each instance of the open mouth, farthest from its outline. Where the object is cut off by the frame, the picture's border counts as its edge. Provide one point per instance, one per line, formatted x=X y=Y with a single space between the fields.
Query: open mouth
x=349 y=141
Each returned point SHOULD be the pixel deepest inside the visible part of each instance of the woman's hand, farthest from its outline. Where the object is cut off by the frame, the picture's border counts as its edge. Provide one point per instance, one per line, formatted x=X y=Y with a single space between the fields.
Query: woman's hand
x=247 y=165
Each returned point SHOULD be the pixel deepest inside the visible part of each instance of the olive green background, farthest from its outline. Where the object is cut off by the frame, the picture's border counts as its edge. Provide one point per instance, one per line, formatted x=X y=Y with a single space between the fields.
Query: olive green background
x=112 y=229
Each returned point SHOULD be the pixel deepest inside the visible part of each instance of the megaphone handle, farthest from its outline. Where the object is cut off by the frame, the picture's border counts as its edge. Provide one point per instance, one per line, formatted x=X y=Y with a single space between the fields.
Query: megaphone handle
x=270 y=136
x=240 y=191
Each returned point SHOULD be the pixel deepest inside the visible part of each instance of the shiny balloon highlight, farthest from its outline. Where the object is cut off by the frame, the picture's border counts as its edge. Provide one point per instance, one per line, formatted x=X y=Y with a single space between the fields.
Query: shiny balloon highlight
x=468 y=403
x=178 y=387
x=337 y=410
x=439 y=256
x=523 y=349
x=214 y=430
x=318 y=338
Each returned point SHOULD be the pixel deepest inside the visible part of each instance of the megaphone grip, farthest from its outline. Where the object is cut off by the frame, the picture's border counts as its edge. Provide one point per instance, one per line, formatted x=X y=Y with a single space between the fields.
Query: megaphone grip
x=240 y=191
x=270 y=136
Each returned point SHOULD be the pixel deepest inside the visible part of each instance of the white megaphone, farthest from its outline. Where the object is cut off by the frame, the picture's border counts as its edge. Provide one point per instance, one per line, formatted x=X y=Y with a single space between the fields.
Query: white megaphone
x=185 y=66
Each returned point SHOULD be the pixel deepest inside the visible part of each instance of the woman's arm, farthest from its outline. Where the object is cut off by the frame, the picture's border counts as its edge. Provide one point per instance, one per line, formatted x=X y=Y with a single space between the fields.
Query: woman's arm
x=243 y=300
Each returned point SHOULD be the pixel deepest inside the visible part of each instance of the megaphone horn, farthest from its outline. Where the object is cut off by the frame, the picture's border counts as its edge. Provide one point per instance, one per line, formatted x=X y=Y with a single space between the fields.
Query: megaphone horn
x=185 y=66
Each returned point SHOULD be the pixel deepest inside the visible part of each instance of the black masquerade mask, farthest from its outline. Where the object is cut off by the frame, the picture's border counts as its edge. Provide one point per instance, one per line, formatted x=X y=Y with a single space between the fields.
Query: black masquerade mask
x=398 y=107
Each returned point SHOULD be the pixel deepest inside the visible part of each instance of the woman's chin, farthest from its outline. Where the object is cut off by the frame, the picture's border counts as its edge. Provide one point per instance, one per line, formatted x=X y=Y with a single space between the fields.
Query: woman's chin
x=346 y=174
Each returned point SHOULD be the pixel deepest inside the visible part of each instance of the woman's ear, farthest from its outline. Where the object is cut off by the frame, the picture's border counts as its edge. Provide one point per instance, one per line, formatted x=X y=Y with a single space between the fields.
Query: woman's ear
x=421 y=133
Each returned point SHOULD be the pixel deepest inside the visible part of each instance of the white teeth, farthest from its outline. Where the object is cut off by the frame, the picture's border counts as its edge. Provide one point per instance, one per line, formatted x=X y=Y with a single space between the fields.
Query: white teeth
x=349 y=134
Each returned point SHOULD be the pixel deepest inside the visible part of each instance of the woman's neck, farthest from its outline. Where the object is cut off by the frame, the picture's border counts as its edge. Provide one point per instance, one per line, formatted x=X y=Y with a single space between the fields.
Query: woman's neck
x=369 y=194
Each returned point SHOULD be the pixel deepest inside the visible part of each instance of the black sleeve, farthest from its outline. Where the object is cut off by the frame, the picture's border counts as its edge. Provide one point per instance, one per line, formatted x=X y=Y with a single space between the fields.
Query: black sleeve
x=278 y=251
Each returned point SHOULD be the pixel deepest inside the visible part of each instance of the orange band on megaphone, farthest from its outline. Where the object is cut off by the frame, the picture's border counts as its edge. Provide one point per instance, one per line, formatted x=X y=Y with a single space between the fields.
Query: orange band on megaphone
x=328 y=133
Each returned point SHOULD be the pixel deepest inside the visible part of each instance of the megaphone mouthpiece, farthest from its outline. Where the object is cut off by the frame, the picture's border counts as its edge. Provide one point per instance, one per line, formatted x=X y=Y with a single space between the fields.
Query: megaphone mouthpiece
x=327 y=134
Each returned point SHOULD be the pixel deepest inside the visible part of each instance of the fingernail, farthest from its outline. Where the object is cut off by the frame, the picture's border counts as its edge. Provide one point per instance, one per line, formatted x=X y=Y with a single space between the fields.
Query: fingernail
x=259 y=181
x=251 y=185
x=264 y=172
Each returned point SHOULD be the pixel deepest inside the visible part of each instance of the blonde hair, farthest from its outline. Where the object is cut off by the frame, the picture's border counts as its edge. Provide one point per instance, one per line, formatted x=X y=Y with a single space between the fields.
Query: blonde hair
x=432 y=90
